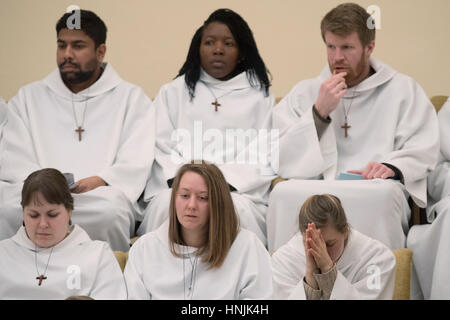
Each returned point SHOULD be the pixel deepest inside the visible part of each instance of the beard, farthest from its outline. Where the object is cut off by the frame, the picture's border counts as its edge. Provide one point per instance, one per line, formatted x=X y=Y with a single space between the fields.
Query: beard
x=78 y=75
x=353 y=74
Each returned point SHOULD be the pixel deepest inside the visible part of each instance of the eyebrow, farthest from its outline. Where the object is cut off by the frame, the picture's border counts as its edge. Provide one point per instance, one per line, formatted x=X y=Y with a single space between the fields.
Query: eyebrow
x=73 y=42
x=186 y=189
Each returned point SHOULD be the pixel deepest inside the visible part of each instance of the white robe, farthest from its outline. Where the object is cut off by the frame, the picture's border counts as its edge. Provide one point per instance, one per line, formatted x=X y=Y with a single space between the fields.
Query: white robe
x=117 y=145
x=3 y=110
x=3 y=118
x=153 y=272
x=392 y=121
x=430 y=243
x=242 y=108
x=365 y=271
x=77 y=266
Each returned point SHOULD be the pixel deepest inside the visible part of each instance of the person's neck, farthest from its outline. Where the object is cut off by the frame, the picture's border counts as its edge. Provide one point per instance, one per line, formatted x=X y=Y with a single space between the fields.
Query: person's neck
x=363 y=76
x=78 y=87
x=194 y=238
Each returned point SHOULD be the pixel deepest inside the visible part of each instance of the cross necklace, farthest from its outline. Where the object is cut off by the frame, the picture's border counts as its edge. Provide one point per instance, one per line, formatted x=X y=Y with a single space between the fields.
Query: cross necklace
x=193 y=271
x=215 y=103
x=79 y=128
x=42 y=276
x=346 y=112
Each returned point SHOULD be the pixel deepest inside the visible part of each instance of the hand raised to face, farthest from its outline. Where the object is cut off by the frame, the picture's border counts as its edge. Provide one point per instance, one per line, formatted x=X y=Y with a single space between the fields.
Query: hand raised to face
x=317 y=248
x=330 y=93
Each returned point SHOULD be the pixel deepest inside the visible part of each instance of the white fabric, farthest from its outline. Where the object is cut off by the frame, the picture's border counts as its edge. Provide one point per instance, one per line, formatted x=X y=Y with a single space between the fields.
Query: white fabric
x=365 y=271
x=3 y=111
x=3 y=118
x=430 y=243
x=439 y=179
x=77 y=266
x=380 y=216
x=242 y=107
x=153 y=272
x=117 y=145
x=392 y=121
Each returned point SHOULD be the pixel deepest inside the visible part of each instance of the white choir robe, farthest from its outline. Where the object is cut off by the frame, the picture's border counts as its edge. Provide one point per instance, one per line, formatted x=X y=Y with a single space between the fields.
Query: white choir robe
x=243 y=108
x=430 y=243
x=78 y=266
x=365 y=271
x=117 y=145
x=3 y=110
x=153 y=272
x=392 y=121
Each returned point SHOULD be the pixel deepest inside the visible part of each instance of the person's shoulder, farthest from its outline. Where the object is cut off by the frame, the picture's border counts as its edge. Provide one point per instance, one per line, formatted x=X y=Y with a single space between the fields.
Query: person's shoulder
x=146 y=241
x=306 y=84
x=367 y=246
x=247 y=240
x=33 y=86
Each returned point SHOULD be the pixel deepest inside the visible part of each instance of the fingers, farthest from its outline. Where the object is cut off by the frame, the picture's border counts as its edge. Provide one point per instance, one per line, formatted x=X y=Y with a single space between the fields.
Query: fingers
x=376 y=170
x=355 y=171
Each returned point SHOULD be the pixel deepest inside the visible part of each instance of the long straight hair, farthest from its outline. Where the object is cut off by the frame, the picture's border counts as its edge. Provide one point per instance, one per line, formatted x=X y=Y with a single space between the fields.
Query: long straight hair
x=223 y=225
x=250 y=60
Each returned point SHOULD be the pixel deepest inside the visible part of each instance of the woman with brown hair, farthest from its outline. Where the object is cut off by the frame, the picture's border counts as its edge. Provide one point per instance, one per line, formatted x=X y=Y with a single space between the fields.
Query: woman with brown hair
x=200 y=252
x=51 y=258
x=327 y=259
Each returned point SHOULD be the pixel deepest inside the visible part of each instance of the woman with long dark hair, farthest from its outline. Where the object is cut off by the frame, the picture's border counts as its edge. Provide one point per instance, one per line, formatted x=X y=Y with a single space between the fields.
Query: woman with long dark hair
x=216 y=109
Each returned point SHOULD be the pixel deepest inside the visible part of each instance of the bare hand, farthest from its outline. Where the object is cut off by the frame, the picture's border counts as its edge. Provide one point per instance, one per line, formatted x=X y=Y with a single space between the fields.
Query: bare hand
x=311 y=266
x=88 y=184
x=330 y=93
x=375 y=170
x=318 y=249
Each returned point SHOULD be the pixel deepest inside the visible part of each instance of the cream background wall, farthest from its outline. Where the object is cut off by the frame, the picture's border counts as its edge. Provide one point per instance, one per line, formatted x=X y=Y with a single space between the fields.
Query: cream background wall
x=148 y=39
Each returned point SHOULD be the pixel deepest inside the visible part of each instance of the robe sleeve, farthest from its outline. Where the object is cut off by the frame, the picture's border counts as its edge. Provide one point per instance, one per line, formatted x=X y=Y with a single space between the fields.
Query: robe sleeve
x=168 y=154
x=255 y=175
x=439 y=179
x=109 y=282
x=416 y=142
x=375 y=280
x=288 y=267
x=133 y=274
x=257 y=275
x=133 y=160
x=301 y=154
x=17 y=145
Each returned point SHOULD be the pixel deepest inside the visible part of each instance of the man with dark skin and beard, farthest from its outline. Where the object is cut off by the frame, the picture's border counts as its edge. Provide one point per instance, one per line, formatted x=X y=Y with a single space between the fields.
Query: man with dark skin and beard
x=84 y=120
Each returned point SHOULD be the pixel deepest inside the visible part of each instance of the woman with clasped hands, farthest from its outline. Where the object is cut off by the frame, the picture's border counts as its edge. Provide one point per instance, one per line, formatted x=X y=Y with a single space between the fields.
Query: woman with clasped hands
x=327 y=259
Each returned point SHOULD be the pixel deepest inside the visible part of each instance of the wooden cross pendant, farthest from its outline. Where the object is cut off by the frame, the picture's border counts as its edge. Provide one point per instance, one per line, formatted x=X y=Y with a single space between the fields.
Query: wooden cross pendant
x=40 y=278
x=346 y=127
x=80 y=130
x=216 y=104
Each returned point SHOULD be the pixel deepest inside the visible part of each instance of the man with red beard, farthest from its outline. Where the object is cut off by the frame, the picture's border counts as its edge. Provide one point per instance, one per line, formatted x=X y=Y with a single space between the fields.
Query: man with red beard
x=85 y=120
x=359 y=120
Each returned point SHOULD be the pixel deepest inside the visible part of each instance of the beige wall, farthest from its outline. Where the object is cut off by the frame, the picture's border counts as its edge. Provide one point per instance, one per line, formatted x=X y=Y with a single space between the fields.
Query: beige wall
x=148 y=39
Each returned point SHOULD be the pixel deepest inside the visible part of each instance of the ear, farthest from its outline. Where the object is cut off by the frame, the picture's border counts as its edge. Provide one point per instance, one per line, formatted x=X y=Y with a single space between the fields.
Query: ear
x=100 y=52
x=369 y=48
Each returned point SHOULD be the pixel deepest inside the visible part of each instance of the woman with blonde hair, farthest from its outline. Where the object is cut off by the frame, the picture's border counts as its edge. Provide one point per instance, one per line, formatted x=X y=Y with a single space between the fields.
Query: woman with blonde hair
x=327 y=259
x=200 y=252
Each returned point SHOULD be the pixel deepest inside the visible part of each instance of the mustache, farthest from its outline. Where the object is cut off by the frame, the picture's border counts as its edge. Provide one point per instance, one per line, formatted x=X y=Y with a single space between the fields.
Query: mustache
x=69 y=63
